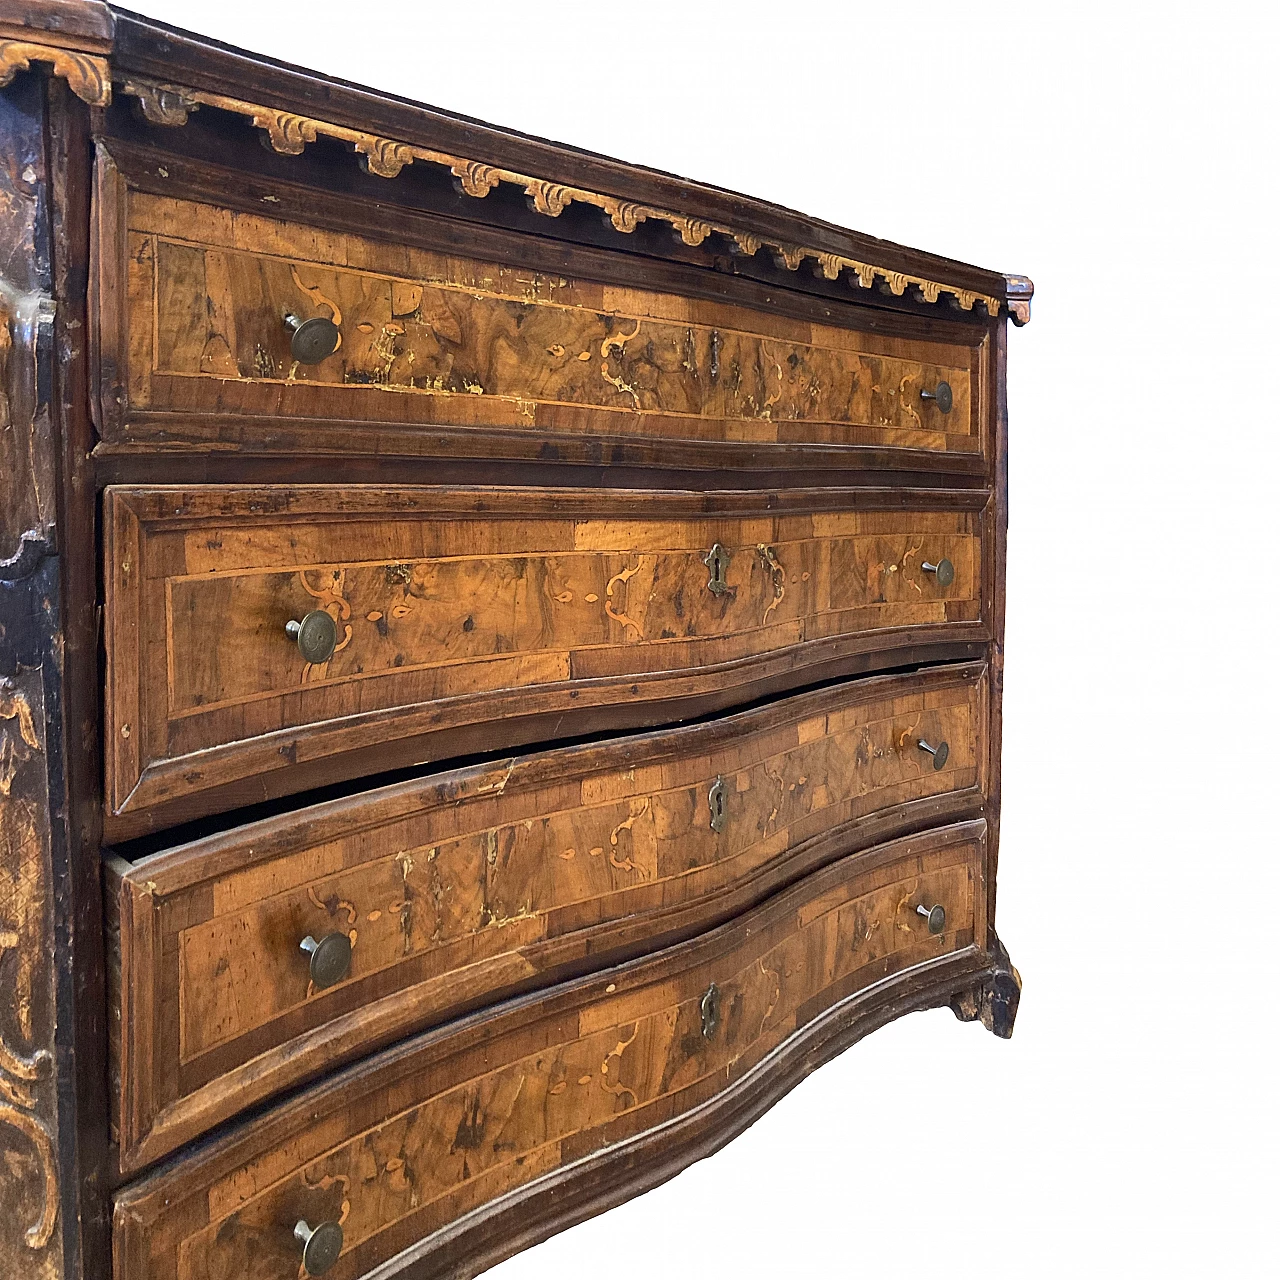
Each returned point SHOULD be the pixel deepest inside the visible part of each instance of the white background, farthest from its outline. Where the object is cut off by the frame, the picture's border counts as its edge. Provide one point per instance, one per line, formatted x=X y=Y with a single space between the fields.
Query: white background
x=1125 y=159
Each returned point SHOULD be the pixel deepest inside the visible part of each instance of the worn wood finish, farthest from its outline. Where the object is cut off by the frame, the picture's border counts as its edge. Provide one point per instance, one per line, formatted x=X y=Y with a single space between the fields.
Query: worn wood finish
x=455 y=890
x=462 y=606
x=472 y=343
x=38 y=1184
x=382 y=198
x=573 y=1193
x=403 y=1145
x=226 y=181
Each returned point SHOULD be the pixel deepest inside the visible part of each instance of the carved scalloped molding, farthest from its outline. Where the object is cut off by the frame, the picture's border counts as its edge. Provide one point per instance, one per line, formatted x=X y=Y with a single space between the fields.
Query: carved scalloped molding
x=289 y=133
x=88 y=76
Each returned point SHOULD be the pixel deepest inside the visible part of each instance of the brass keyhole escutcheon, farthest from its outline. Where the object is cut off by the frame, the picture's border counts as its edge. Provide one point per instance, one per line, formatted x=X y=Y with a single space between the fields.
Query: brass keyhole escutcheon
x=718 y=803
x=717 y=560
x=710 y=1011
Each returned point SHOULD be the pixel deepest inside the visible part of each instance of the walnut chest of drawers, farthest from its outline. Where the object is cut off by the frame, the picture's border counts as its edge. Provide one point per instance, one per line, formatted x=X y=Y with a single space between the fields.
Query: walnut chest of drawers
x=500 y=664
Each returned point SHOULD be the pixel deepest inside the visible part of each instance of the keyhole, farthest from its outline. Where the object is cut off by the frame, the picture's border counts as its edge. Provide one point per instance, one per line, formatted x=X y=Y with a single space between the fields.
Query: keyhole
x=717 y=561
x=716 y=801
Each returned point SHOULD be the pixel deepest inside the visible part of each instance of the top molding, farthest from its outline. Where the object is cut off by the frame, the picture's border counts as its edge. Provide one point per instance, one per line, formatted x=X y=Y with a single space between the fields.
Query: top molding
x=172 y=73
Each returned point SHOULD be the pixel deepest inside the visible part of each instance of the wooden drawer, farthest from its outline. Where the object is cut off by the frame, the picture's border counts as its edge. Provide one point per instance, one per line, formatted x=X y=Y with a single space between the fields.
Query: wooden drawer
x=551 y=612
x=408 y=1142
x=462 y=888
x=442 y=352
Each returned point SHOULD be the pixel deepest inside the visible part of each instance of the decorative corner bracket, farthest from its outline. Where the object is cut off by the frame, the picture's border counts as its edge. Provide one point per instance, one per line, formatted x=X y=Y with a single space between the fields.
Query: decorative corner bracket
x=87 y=75
x=289 y=133
x=1018 y=291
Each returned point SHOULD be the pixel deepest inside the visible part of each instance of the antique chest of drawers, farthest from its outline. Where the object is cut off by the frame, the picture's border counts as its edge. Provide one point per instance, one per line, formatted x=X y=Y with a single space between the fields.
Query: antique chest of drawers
x=500 y=664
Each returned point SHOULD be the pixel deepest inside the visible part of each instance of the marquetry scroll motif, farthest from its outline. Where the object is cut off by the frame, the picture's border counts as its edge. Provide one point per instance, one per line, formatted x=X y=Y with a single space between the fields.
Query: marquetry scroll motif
x=386 y=157
x=524 y=350
x=88 y=76
x=29 y=1245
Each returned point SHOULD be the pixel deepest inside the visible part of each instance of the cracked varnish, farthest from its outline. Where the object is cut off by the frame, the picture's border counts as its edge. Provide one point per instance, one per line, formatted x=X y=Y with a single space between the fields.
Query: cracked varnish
x=448 y=602
x=407 y=1143
x=453 y=888
x=467 y=342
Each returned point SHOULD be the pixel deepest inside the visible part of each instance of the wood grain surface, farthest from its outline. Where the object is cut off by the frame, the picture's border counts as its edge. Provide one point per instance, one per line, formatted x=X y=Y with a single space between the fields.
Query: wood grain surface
x=456 y=889
x=435 y=338
x=409 y=1141
x=729 y=344
x=451 y=604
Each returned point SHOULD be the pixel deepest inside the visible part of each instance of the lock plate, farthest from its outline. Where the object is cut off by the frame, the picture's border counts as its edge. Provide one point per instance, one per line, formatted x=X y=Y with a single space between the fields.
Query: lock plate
x=717 y=561
x=710 y=1011
x=718 y=803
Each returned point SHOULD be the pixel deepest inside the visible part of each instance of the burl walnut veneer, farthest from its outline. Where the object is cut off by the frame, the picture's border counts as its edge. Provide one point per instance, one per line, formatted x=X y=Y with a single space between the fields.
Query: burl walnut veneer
x=500 y=664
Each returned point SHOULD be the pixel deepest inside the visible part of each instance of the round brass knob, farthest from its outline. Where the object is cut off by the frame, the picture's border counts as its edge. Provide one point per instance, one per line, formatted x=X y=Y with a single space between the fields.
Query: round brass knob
x=939 y=753
x=313 y=340
x=330 y=958
x=945 y=570
x=320 y=1248
x=316 y=634
x=936 y=916
x=940 y=395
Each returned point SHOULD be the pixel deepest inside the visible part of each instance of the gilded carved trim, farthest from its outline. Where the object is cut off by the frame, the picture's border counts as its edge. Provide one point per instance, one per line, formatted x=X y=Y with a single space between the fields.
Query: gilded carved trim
x=26 y=1066
x=289 y=133
x=88 y=75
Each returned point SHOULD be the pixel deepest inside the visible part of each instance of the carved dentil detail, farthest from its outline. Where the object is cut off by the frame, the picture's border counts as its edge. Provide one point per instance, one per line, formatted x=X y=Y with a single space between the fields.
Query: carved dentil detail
x=386 y=157
x=88 y=76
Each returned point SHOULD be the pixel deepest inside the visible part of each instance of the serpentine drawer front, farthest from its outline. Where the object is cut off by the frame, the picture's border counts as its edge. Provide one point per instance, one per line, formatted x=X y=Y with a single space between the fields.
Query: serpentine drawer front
x=235 y=314
x=405 y=1143
x=433 y=615
x=433 y=896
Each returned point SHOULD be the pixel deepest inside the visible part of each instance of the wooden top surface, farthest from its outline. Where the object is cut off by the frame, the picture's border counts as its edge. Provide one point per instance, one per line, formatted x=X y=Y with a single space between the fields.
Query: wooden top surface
x=142 y=47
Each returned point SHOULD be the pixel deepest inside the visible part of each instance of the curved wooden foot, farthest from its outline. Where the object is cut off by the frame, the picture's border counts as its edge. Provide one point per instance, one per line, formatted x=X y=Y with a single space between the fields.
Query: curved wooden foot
x=994 y=1001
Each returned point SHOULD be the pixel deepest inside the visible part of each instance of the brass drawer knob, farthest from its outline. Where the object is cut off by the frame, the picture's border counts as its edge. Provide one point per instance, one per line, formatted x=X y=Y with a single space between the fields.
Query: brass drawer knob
x=710 y=1011
x=313 y=340
x=316 y=634
x=330 y=958
x=945 y=570
x=320 y=1248
x=717 y=560
x=718 y=803
x=940 y=395
x=936 y=916
x=939 y=753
